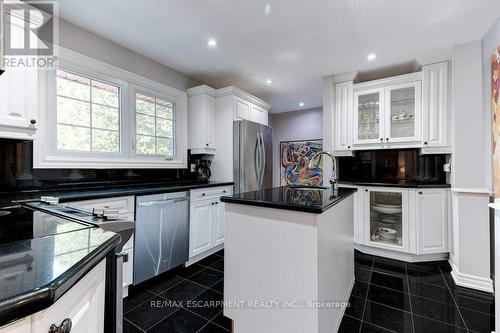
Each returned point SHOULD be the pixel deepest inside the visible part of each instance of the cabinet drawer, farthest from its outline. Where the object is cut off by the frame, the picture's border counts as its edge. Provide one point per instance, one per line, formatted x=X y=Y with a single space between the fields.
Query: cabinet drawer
x=125 y=205
x=210 y=193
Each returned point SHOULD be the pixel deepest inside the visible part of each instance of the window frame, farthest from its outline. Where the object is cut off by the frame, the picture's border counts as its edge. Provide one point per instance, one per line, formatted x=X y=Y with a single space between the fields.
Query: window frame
x=135 y=89
x=47 y=156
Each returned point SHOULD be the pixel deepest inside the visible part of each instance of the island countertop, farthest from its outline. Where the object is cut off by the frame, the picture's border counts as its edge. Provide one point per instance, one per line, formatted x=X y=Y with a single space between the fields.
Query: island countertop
x=307 y=200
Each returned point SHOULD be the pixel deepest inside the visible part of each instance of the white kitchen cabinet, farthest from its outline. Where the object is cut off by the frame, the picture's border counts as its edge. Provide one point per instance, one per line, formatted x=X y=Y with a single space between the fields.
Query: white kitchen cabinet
x=368 y=116
x=257 y=114
x=435 y=105
x=419 y=216
x=402 y=113
x=206 y=221
x=18 y=93
x=83 y=304
x=343 y=117
x=386 y=218
x=201 y=120
x=358 y=213
x=242 y=109
x=431 y=208
x=126 y=208
x=200 y=227
x=219 y=222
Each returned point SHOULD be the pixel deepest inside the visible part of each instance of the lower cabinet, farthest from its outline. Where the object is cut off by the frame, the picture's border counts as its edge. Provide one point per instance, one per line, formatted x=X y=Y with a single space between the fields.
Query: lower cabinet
x=413 y=221
x=206 y=222
x=83 y=305
x=126 y=207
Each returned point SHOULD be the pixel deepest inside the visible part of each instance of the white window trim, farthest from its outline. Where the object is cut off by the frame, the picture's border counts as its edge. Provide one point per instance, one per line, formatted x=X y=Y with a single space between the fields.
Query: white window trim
x=45 y=156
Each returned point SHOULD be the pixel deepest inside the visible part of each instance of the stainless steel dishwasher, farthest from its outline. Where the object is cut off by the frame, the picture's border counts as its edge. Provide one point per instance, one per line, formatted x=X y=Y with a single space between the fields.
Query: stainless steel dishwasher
x=161 y=234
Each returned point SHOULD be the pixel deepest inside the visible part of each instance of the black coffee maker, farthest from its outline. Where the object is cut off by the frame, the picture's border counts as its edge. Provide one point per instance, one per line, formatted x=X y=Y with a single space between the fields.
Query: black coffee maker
x=203 y=172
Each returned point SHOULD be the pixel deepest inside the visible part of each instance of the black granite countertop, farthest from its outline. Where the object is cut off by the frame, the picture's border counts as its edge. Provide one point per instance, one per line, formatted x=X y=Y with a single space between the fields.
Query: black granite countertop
x=406 y=184
x=106 y=191
x=42 y=257
x=291 y=198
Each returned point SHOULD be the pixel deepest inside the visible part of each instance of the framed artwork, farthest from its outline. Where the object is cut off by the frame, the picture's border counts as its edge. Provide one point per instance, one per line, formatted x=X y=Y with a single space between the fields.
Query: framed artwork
x=294 y=161
x=495 y=119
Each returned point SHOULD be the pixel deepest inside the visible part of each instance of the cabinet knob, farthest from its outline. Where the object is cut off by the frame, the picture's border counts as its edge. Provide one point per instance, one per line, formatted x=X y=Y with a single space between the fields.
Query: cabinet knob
x=212 y=203
x=217 y=203
x=381 y=139
x=425 y=143
x=203 y=194
x=207 y=144
x=386 y=139
x=366 y=190
x=420 y=192
x=224 y=191
x=33 y=121
x=348 y=147
x=65 y=327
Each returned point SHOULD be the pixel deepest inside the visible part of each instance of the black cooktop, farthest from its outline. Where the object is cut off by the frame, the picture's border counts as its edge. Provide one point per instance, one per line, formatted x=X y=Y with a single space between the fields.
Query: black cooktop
x=19 y=223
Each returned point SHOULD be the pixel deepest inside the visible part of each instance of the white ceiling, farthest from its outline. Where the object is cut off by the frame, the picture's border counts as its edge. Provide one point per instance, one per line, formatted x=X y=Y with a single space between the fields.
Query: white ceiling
x=296 y=43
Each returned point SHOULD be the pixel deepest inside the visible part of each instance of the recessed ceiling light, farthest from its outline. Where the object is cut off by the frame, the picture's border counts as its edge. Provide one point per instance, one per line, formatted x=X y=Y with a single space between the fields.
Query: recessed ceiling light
x=301 y=104
x=269 y=81
x=371 y=56
x=267 y=9
x=212 y=42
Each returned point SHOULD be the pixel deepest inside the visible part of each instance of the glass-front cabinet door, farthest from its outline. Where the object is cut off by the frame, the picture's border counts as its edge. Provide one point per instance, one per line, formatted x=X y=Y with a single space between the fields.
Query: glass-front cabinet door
x=368 y=116
x=402 y=112
x=386 y=218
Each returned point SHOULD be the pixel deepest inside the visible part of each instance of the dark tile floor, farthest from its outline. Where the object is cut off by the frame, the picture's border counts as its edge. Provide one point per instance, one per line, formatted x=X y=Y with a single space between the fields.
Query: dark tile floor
x=394 y=296
x=184 y=300
x=388 y=296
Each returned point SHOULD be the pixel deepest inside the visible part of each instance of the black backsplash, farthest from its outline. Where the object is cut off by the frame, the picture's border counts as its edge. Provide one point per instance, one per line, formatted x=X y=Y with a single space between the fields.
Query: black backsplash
x=17 y=173
x=392 y=166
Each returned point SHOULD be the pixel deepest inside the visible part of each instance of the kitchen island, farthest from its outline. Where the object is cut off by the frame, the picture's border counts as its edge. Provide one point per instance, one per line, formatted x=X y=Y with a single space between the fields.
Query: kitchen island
x=289 y=259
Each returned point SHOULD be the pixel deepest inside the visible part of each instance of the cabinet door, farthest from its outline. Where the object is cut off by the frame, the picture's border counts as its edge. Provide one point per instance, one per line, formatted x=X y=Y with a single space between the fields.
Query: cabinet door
x=403 y=109
x=242 y=109
x=435 y=105
x=343 y=116
x=219 y=221
x=265 y=117
x=432 y=221
x=83 y=304
x=256 y=114
x=18 y=93
x=368 y=116
x=19 y=98
x=386 y=218
x=200 y=226
x=128 y=269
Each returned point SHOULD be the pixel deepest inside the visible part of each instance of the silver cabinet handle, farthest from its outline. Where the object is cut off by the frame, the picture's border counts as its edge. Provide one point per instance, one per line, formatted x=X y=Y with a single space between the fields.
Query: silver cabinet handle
x=65 y=327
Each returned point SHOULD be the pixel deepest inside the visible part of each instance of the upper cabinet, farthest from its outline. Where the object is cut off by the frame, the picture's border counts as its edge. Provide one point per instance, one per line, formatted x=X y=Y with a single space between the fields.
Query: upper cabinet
x=435 y=108
x=18 y=92
x=407 y=111
x=201 y=118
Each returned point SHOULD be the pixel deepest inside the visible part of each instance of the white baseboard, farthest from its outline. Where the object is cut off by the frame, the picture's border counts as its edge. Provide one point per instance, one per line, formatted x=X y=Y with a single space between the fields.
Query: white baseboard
x=408 y=257
x=470 y=281
x=203 y=255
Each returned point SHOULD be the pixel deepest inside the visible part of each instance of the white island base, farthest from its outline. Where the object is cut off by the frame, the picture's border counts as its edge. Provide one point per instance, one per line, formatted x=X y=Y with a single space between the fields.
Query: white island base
x=291 y=258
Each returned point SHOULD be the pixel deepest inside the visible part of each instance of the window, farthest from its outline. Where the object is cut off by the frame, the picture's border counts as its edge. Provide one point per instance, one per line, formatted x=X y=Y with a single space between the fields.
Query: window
x=88 y=114
x=155 y=126
x=94 y=115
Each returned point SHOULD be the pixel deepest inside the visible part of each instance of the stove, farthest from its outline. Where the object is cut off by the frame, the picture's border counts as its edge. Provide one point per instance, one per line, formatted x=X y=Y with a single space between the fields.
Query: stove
x=19 y=223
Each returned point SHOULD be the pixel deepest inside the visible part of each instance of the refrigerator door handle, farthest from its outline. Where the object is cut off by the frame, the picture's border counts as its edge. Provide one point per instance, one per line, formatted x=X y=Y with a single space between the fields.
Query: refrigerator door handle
x=257 y=158
x=263 y=159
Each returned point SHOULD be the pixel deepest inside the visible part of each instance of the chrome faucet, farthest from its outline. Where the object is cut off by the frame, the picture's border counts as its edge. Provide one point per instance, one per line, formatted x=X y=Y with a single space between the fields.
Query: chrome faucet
x=333 y=178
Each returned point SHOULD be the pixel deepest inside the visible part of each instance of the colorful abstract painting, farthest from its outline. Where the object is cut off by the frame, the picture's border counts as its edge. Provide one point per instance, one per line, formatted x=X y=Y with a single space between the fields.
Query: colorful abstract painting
x=495 y=119
x=295 y=157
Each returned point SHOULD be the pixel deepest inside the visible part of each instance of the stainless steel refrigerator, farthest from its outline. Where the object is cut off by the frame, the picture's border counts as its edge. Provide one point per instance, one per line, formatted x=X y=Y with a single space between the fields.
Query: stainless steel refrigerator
x=253 y=156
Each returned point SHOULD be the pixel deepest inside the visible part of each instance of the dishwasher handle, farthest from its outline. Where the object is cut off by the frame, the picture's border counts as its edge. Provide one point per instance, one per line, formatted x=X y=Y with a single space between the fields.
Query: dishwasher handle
x=162 y=202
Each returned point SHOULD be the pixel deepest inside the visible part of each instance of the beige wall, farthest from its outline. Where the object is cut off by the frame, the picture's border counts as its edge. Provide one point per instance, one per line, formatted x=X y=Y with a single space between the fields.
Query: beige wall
x=295 y=125
x=82 y=41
